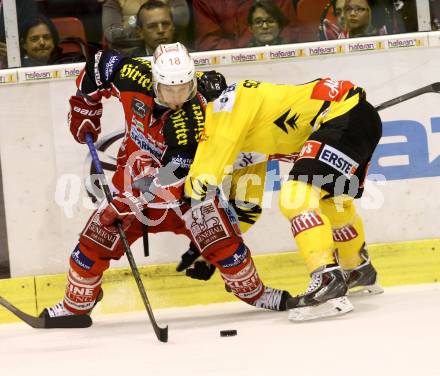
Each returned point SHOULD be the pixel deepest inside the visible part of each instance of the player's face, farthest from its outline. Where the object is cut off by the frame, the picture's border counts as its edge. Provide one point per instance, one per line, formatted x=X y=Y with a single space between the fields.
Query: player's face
x=39 y=43
x=157 y=27
x=264 y=27
x=174 y=96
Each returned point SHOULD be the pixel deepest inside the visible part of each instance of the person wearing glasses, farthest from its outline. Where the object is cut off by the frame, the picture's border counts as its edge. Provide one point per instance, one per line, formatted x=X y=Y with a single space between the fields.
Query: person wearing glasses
x=221 y=25
x=364 y=18
x=266 y=21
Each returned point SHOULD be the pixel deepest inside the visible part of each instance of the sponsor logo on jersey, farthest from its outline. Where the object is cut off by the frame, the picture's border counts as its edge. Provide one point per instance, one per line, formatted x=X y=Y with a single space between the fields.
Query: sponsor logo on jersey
x=96 y=69
x=339 y=161
x=236 y=259
x=226 y=100
x=179 y=120
x=344 y=234
x=81 y=259
x=86 y=112
x=199 y=118
x=136 y=123
x=182 y=161
x=130 y=71
x=247 y=159
x=110 y=66
x=331 y=90
x=99 y=234
x=305 y=221
x=147 y=143
x=206 y=224
x=310 y=149
x=139 y=107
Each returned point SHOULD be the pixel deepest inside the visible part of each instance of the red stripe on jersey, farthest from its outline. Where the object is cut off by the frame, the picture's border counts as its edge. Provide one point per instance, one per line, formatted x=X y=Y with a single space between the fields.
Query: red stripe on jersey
x=331 y=90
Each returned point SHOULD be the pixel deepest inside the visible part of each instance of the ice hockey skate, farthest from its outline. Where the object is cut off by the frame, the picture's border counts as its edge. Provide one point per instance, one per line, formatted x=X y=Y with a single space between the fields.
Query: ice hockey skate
x=325 y=296
x=58 y=309
x=362 y=280
x=273 y=299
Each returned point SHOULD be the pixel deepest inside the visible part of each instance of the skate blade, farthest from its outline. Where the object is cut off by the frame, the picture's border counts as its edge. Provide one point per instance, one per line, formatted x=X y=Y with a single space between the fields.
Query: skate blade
x=366 y=290
x=332 y=307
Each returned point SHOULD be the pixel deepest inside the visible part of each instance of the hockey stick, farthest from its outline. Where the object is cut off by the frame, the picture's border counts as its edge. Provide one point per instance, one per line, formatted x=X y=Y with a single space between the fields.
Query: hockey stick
x=74 y=321
x=161 y=333
x=432 y=88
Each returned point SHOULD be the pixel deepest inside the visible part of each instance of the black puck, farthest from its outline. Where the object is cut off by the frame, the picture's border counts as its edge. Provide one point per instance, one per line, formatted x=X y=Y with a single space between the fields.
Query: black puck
x=228 y=333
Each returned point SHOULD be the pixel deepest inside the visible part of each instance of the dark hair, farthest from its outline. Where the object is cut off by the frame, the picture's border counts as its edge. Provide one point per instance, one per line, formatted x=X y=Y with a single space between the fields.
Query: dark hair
x=271 y=9
x=152 y=4
x=39 y=20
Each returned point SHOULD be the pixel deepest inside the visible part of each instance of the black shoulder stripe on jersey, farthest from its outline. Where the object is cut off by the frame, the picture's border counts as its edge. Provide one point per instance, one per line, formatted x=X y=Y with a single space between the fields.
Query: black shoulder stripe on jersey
x=309 y=82
x=356 y=90
x=248 y=213
x=324 y=106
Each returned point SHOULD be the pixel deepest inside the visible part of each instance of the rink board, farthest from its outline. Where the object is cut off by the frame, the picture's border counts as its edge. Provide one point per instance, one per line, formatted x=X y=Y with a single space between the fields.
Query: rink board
x=398 y=264
x=43 y=169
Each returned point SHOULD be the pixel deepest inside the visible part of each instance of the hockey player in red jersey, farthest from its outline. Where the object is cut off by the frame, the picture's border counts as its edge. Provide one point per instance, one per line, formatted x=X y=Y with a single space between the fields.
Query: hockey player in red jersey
x=164 y=115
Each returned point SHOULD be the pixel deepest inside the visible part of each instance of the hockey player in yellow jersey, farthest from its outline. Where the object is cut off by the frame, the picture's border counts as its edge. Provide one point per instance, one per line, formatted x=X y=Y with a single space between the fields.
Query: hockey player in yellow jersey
x=334 y=132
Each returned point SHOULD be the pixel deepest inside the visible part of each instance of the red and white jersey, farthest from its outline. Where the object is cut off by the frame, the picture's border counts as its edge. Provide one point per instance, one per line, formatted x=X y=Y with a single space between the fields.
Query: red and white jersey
x=152 y=132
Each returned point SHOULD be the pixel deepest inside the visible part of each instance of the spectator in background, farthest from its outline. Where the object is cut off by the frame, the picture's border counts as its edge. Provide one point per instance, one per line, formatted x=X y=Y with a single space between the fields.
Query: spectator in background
x=119 y=20
x=222 y=24
x=434 y=7
x=39 y=44
x=156 y=23
x=266 y=21
x=26 y=9
x=365 y=18
x=328 y=28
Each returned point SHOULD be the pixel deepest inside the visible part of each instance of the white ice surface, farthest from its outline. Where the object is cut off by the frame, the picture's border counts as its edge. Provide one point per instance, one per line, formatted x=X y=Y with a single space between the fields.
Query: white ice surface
x=396 y=333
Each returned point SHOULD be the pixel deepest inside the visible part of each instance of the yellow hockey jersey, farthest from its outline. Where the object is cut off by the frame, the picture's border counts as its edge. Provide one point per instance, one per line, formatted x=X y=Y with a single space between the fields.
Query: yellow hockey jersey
x=252 y=120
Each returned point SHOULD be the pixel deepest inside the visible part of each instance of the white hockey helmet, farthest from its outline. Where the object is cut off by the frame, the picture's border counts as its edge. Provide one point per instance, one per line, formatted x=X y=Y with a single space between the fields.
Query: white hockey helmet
x=172 y=65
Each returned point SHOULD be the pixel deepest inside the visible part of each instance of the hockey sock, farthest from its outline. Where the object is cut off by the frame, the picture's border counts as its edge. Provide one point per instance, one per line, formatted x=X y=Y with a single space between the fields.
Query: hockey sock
x=313 y=235
x=300 y=203
x=348 y=231
x=239 y=273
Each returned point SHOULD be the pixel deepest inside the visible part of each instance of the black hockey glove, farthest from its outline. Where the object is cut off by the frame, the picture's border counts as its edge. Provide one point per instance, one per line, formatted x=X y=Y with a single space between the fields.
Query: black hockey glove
x=211 y=84
x=201 y=270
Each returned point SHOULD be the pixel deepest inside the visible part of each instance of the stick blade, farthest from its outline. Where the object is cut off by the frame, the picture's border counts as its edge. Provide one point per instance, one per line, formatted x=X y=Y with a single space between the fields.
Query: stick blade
x=436 y=87
x=74 y=321
x=162 y=334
